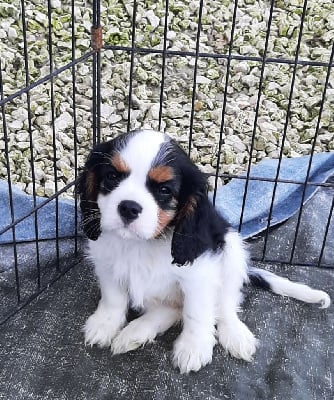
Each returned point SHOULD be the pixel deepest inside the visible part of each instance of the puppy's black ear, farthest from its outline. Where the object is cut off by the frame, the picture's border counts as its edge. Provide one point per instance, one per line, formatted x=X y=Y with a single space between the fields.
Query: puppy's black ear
x=90 y=213
x=198 y=226
x=88 y=189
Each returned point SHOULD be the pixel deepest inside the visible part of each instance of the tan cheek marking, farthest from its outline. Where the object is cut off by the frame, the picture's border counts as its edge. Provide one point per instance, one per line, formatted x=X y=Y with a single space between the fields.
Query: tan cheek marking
x=161 y=173
x=164 y=218
x=119 y=164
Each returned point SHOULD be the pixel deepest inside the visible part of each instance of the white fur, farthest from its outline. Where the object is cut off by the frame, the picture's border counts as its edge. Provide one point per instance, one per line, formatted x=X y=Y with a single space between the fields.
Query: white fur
x=233 y=334
x=154 y=321
x=138 y=156
x=299 y=291
x=141 y=150
x=199 y=295
x=204 y=295
x=135 y=270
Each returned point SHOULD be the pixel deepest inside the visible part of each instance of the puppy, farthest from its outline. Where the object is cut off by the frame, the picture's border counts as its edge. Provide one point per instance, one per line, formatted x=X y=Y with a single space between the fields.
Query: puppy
x=159 y=246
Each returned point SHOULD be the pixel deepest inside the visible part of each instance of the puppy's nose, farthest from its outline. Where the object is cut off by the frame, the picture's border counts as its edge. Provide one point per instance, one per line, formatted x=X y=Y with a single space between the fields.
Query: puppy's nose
x=129 y=210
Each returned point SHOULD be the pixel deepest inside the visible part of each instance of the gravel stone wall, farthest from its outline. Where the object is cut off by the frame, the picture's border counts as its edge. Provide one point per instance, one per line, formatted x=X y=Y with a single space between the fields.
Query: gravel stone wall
x=242 y=89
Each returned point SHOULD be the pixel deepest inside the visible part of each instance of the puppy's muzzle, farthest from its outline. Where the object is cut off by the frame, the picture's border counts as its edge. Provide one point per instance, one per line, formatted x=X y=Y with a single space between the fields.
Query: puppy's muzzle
x=129 y=211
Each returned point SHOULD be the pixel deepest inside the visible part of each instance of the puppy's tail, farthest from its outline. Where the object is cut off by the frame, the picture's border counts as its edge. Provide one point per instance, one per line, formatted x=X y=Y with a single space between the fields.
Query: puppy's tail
x=284 y=287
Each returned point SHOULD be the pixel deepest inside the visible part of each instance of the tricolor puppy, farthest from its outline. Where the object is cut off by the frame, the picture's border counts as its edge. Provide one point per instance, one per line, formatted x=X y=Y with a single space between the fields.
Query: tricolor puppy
x=159 y=246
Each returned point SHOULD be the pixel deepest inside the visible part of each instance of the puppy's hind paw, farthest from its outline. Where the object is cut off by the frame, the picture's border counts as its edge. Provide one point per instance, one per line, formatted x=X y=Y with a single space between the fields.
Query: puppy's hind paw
x=133 y=336
x=237 y=340
x=100 y=329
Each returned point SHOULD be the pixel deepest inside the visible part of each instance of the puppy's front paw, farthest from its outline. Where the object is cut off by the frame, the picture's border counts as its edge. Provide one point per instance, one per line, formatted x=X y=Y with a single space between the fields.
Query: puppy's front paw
x=192 y=352
x=101 y=327
x=134 y=335
x=237 y=340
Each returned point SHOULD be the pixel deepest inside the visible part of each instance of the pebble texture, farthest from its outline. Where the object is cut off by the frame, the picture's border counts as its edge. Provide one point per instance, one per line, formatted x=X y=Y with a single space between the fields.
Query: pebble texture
x=244 y=94
x=42 y=352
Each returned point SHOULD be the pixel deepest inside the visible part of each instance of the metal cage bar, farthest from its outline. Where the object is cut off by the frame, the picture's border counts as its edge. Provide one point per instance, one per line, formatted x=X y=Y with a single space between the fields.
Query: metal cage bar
x=292 y=85
x=310 y=163
x=31 y=145
x=75 y=135
x=132 y=61
x=163 y=66
x=54 y=138
x=222 y=125
x=193 y=96
x=94 y=57
x=237 y=57
x=10 y=192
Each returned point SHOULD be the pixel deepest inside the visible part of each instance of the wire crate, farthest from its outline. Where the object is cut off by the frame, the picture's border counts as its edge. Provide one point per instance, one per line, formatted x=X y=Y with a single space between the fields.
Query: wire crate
x=73 y=74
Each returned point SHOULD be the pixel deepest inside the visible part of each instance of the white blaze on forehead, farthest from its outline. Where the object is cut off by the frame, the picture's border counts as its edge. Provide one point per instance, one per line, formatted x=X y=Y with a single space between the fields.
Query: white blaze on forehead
x=137 y=154
x=141 y=150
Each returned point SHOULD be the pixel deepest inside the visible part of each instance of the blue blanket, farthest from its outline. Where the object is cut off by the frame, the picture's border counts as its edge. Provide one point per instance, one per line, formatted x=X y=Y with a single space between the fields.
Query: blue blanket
x=288 y=196
x=23 y=204
x=228 y=201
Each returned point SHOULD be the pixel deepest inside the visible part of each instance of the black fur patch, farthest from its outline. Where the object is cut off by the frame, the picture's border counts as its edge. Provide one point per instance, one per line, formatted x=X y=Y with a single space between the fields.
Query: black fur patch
x=97 y=176
x=198 y=226
x=257 y=280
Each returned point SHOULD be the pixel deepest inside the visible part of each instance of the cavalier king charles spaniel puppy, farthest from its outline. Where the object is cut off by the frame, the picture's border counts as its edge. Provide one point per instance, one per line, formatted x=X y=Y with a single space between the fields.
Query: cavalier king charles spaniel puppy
x=160 y=247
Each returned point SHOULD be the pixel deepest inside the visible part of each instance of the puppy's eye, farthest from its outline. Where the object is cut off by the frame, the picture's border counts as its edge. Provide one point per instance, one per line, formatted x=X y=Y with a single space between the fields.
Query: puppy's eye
x=165 y=190
x=110 y=175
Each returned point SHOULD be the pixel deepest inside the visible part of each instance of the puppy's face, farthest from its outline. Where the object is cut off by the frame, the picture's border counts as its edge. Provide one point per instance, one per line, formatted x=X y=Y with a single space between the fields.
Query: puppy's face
x=135 y=181
x=138 y=187
x=140 y=184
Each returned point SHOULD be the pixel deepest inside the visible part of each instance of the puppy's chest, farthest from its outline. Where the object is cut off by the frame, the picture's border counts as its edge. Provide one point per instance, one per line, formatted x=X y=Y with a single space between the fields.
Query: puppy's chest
x=145 y=270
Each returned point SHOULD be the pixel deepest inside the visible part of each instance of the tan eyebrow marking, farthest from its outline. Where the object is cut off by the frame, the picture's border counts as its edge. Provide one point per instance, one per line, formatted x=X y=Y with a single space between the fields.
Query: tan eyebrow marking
x=119 y=164
x=161 y=173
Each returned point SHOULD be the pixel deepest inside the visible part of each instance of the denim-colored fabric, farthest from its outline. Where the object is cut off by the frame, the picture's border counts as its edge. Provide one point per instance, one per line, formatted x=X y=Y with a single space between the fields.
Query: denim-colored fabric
x=228 y=200
x=23 y=204
x=288 y=196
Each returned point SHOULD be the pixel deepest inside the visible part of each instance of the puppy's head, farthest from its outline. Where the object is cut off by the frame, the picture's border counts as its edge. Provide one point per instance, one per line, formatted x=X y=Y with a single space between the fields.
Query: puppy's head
x=141 y=185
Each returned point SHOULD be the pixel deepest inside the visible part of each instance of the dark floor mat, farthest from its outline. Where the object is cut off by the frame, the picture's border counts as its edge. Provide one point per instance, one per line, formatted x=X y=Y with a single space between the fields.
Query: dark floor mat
x=315 y=238
x=43 y=355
